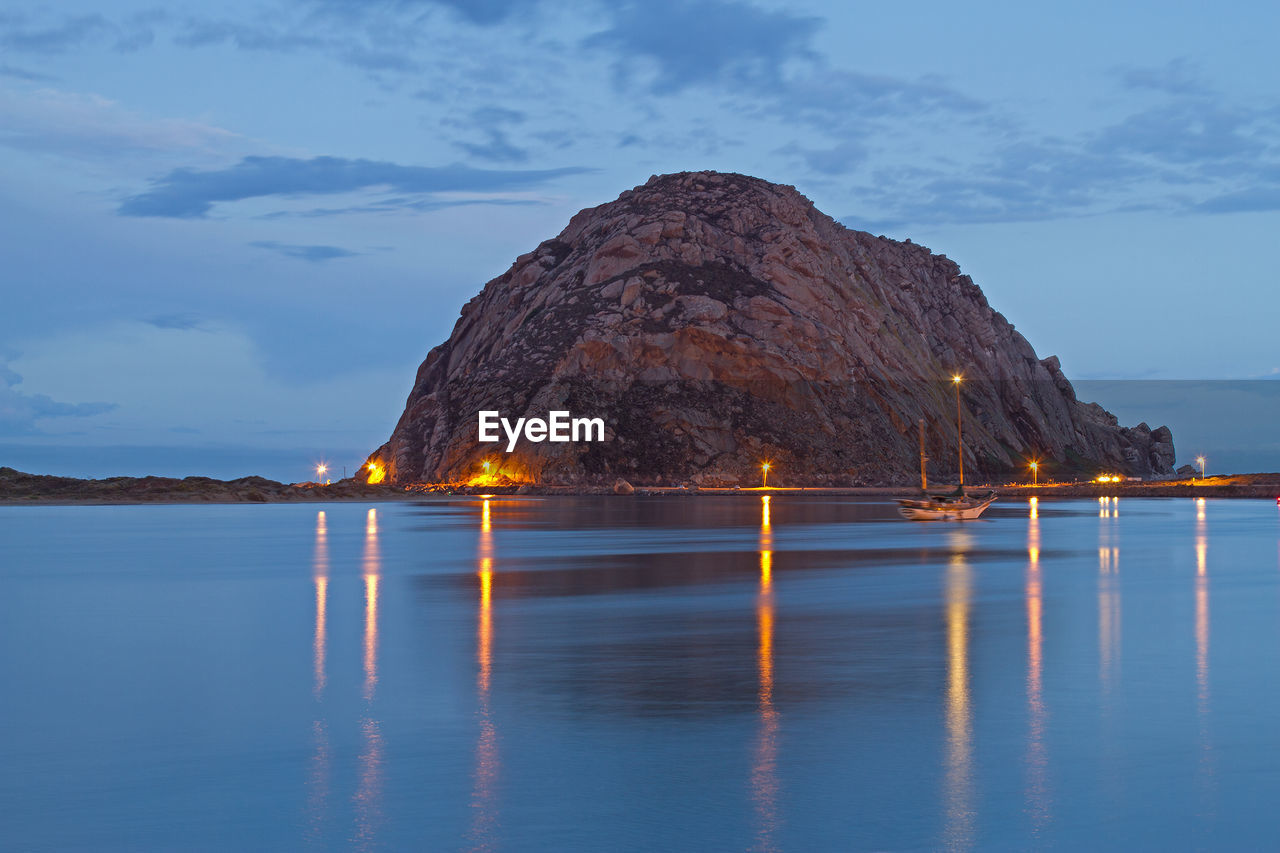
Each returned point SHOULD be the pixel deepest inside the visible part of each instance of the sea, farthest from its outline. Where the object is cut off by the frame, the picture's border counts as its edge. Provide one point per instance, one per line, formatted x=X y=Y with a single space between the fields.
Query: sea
x=667 y=673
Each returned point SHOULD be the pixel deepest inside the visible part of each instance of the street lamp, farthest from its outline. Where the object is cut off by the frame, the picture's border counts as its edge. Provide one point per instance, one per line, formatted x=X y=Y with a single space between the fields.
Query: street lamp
x=1035 y=473
x=1200 y=459
x=320 y=471
x=764 y=468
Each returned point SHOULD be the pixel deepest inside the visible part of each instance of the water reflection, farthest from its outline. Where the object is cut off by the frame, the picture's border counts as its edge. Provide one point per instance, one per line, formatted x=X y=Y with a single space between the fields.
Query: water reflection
x=320 y=573
x=319 y=775
x=1108 y=597
x=958 y=794
x=368 y=797
x=1205 y=771
x=1037 y=756
x=764 y=772
x=1108 y=616
x=1202 y=607
x=483 y=798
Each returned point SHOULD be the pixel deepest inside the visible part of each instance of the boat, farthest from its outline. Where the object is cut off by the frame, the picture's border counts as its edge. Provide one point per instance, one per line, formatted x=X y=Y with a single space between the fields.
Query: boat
x=948 y=507
x=955 y=505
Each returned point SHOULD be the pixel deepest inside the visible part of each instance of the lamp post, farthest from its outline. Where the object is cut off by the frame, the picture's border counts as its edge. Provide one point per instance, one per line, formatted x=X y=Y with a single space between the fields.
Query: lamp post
x=764 y=468
x=959 y=428
x=1200 y=459
x=320 y=471
x=1035 y=473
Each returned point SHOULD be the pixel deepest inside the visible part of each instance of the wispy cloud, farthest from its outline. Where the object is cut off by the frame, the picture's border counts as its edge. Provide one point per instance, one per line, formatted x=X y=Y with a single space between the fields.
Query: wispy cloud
x=21 y=34
x=479 y=12
x=494 y=124
x=19 y=412
x=178 y=322
x=314 y=254
x=57 y=38
x=90 y=126
x=187 y=193
x=400 y=204
x=23 y=74
x=1191 y=151
x=693 y=42
x=1179 y=76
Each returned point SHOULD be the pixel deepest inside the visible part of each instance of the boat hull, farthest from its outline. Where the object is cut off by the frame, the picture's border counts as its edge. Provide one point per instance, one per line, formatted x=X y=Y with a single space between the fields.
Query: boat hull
x=916 y=510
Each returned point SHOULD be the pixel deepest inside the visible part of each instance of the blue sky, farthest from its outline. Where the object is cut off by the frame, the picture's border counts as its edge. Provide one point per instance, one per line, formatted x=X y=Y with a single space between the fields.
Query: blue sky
x=232 y=231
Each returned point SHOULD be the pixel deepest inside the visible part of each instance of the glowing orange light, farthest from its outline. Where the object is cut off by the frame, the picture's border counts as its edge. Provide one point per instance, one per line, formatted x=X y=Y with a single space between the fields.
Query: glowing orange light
x=764 y=467
x=376 y=473
x=957 y=378
x=320 y=470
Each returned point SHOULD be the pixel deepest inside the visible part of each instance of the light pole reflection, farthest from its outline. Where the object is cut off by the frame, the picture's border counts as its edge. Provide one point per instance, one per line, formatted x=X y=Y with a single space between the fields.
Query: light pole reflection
x=1202 y=647
x=318 y=778
x=368 y=797
x=484 y=812
x=320 y=575
x=958 y=795
x=1108 y=600
x=1202 y=607
x=1037 y=756
x=764 y=771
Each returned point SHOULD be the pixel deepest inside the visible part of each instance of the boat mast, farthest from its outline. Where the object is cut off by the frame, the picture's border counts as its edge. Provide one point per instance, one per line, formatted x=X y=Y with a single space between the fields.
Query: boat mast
x=924 y=479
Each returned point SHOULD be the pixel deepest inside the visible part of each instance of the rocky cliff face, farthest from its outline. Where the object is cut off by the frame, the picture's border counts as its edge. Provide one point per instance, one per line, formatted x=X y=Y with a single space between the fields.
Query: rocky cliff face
x=717 y=320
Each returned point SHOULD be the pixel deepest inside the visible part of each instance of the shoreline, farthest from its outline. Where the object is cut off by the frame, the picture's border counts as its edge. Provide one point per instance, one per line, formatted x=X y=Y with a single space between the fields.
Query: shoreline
x=20 y=489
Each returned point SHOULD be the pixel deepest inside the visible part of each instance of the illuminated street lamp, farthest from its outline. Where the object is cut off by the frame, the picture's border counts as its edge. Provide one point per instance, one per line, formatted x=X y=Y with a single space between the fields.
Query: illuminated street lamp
x=320 y=471
x=764 y=468
x=1035 y=473
x=1200 y=459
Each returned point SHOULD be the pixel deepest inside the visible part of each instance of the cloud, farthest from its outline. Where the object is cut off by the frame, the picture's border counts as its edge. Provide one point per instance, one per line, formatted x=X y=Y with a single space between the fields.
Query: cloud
x=1179 y=76
x=1189 y=153
x=201 y=32
x=187 y=193
x=90 y=126
x=130 y=34
x=492 y=122
x=693 y=42
x=839 y=159
x=400 y=204
x=1251 y=200
x=180 y=322
x=69 y=34
x=1187 y=131
x=478 y=12
x=19 y=412
x=23 y=74
x=315 y=254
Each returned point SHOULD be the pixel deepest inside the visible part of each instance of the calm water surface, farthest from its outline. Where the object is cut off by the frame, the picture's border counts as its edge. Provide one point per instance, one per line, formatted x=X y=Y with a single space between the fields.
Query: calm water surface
x=640 y=674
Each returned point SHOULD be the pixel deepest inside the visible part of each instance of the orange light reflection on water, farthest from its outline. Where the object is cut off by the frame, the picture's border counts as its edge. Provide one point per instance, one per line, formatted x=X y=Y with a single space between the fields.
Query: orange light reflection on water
x=1037 y=754
x=958 y=782
x=764 y=771
x=484 y=792
x=368 y=796
x=318 y=777
x=320 y=573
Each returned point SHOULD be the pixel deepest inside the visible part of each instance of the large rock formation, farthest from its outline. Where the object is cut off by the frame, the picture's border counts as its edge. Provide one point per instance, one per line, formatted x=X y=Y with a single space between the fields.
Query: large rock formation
x=715 y=320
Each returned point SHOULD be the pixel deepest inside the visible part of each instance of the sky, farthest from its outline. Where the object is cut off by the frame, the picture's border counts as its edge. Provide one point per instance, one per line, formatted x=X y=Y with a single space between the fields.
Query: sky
x=231 y=232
